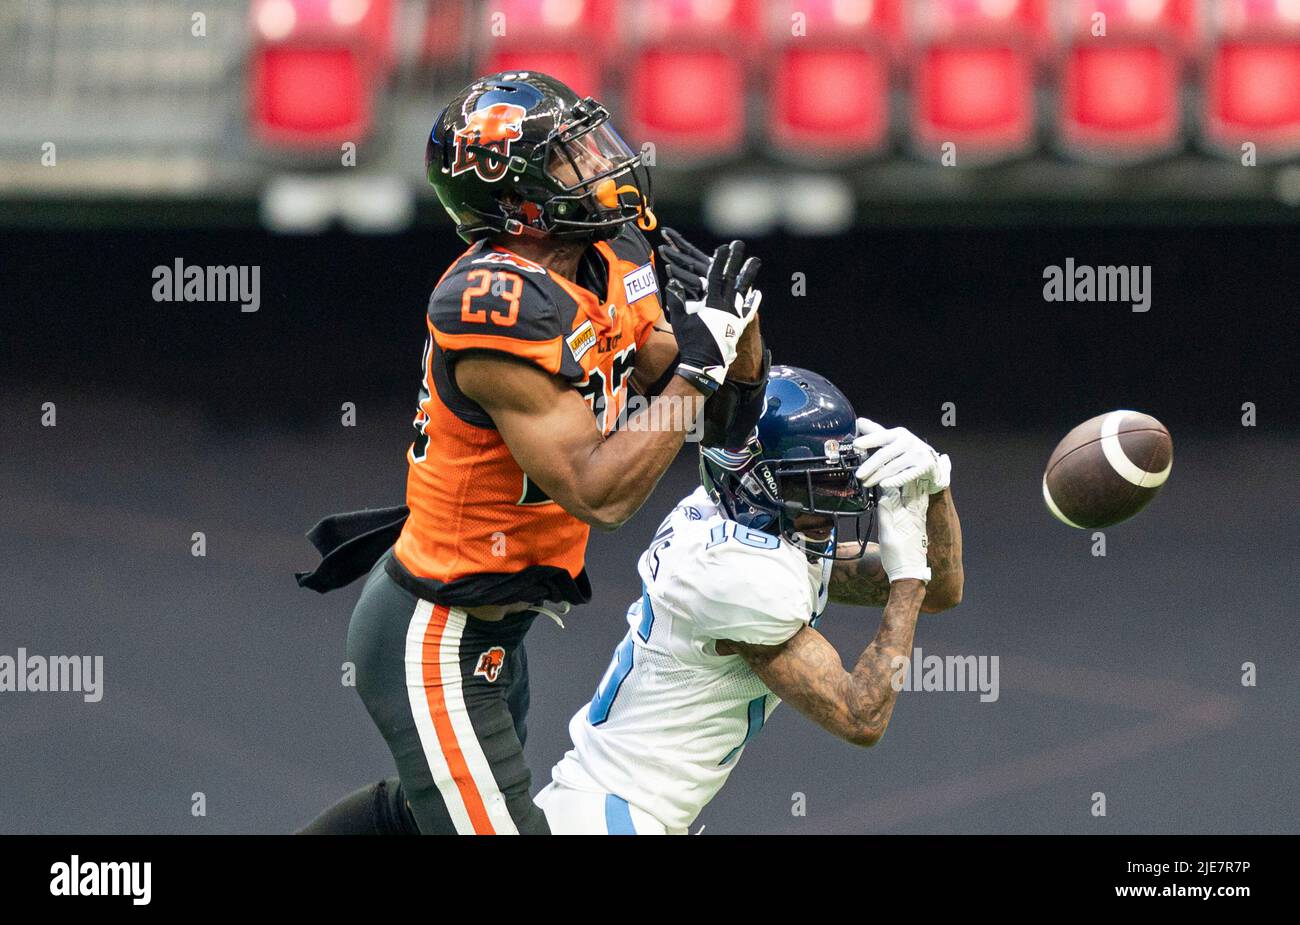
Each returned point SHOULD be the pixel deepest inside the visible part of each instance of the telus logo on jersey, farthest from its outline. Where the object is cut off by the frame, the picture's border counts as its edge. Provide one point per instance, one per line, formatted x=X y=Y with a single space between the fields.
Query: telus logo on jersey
x=493 y=127
x=640 y=283
x=490 y=662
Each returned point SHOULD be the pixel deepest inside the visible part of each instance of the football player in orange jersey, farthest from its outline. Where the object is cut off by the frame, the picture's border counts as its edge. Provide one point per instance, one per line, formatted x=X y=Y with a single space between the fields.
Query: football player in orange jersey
x=536 y=334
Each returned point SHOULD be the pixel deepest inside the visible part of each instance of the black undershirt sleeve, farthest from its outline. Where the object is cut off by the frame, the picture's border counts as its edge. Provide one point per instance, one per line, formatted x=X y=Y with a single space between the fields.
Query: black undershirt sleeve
x=732 y=413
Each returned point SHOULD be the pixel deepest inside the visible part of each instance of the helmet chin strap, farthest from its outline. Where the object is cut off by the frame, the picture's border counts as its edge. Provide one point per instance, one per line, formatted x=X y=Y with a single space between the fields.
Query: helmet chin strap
x=820 y=549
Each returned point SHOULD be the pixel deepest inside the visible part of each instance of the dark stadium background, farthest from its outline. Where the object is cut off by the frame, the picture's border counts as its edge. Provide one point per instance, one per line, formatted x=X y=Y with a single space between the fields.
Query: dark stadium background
x=1119 y=674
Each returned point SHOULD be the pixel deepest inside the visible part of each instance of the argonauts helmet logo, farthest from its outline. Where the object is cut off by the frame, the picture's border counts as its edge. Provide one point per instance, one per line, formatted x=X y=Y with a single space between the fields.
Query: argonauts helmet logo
x=493 y=127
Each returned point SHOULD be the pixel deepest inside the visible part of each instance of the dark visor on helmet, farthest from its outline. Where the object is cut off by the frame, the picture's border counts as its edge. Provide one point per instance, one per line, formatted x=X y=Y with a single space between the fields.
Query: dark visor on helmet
x=822 y=484
x=823 y=491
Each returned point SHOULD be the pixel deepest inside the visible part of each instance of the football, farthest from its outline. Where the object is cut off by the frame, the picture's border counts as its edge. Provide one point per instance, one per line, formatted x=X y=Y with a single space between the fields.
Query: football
x=1107 y=469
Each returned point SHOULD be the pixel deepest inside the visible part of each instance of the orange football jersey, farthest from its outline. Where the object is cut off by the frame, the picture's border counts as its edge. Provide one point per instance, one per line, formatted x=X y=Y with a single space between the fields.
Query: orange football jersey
x=479 y=532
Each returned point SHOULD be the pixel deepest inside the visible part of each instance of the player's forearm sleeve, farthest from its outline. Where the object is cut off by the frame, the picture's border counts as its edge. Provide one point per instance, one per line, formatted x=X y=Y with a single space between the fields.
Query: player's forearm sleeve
x=732 y=413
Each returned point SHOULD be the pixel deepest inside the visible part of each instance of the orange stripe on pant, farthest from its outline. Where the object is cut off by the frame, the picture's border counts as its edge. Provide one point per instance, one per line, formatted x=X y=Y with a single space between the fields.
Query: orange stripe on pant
x=436 y=694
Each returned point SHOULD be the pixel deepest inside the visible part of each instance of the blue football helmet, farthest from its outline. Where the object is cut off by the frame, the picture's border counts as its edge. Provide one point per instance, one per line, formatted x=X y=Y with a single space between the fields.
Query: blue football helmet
x=799 y=460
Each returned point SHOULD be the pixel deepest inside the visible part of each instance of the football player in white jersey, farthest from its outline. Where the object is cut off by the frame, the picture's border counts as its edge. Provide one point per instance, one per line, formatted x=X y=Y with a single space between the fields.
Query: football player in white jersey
x=734 y=582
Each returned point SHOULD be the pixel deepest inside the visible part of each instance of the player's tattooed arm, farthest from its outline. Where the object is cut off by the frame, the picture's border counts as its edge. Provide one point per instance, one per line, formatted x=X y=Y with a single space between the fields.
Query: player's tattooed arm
x=863 y=581
x=806 y=671
x=943 y=552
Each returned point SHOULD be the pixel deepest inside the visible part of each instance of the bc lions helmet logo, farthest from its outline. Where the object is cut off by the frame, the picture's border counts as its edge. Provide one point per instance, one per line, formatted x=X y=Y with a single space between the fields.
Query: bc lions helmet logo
x=490 y=662
x=493 y=127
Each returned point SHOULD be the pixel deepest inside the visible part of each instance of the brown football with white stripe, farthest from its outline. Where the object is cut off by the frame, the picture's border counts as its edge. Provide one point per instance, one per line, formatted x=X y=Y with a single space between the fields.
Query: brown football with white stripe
x=1107 y=469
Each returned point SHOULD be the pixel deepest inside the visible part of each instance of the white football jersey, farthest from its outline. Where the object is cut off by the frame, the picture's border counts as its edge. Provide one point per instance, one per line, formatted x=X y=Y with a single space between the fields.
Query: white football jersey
x=670 y=717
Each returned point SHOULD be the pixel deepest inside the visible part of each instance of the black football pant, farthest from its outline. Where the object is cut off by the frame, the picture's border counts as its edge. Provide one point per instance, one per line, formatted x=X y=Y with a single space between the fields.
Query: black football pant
x=449 y=693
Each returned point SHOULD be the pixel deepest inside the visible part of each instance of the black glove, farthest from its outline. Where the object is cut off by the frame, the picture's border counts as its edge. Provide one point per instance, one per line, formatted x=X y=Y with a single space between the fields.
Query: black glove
x=685 y=262
x=709 y=317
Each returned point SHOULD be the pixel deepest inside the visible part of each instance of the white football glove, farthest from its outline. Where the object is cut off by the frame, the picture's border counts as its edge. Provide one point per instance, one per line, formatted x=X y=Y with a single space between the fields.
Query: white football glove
x=901 y=512
x=899 y=457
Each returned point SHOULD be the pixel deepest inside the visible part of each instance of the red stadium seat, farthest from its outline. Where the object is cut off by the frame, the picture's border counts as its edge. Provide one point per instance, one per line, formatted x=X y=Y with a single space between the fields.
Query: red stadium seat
x=830 y=102
x=973 y=76
x=315 y=67
x=1120 y=101
x=1252 y=91
x=691 y=102
x=831 y=76
x=687 y=63
x=1119 y=95
x=979 y=96
x=315 y=95
x=1253 y=94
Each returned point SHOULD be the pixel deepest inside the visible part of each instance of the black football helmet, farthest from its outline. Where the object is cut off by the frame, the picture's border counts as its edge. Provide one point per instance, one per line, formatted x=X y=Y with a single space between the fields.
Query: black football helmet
x=521 y=153
x=799 y=460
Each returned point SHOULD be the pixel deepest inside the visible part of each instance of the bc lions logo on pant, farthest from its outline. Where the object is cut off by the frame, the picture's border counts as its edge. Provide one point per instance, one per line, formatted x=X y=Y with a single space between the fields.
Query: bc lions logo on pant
x=490 y=662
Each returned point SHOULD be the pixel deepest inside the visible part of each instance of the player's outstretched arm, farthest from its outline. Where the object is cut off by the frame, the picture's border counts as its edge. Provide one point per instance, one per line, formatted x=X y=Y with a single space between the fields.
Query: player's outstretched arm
x=806 y=671
x=863 y=581
x=860 y=581
x=943 y=528
x=734 y=407
x=898 y=459
x=552 y=434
